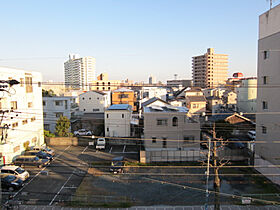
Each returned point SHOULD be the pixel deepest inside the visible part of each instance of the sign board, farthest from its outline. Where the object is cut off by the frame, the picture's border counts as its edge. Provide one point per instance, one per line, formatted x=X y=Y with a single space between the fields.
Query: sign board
x=91 y=143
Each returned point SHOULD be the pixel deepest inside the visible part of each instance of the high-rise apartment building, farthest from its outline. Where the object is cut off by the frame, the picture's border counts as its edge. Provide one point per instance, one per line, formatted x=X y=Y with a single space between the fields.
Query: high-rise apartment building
x=268 y=95
x=79 y=72
x=210 y=69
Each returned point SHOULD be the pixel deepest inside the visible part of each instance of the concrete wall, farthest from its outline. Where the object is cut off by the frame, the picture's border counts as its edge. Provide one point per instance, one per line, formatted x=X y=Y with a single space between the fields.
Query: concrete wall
x=66 y=141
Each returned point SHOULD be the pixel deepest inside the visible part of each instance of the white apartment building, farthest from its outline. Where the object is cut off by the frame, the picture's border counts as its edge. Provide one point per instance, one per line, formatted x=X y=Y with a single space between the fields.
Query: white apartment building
x=94 y=101
x=22 y=122
x=150 y=92
x=117 y=120
x=169 y=134
x=247 y=95
x=268 y=95
x=79 y=72
x=54 y=107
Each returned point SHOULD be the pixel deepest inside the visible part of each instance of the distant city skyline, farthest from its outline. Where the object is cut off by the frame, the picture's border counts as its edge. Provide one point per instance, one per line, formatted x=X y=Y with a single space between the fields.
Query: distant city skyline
x=129 y=39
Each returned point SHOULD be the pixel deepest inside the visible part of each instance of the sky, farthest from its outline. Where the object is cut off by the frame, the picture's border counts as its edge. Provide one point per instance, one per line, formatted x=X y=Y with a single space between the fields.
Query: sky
x=130 y=39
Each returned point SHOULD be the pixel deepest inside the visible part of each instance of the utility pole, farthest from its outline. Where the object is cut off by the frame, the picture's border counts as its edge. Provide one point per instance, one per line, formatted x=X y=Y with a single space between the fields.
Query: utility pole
x=207 y=173
x=217 y=183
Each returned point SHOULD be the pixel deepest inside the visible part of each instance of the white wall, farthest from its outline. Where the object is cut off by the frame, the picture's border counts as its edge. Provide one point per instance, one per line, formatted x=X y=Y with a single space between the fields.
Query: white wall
x=117 y=123
x=26 y=122
x=94 y=102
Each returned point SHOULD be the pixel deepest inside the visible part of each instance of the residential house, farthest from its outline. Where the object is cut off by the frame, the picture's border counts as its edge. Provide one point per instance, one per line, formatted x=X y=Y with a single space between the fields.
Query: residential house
x=230 y=100
x=214 y=104
x=94 y=101
x=53 y=108
x=169 y=134
x=118 y=120
x=22 y=113
x=124 y=96
x=104 y=84
x=196 y=104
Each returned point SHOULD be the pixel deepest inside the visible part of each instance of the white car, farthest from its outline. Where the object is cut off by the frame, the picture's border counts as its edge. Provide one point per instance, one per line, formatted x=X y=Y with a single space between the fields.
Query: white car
x=82 y=132
x=16 y=171
x=100 y=144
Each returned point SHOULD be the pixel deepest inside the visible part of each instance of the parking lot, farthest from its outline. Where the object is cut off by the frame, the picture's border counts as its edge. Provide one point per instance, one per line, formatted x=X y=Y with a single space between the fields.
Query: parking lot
x=81 y=174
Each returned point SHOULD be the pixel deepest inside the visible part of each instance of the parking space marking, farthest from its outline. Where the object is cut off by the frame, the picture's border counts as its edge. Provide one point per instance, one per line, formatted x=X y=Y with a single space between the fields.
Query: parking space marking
x=111 y=150
x=35 y=176
x=124 y=148
x=62 y=152
x=60 y=190
x=84 y=150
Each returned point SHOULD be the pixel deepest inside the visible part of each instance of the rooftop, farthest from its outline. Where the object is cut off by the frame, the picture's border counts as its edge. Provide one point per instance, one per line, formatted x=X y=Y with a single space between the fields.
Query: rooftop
x=196 y=98
x=167 y=108
x=120 y=107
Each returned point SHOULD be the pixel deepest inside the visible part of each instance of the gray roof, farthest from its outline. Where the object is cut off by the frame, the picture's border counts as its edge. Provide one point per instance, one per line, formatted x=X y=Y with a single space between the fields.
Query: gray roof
x=152 y=100
x=167 y=108
x=120 y=107
x=196 y=98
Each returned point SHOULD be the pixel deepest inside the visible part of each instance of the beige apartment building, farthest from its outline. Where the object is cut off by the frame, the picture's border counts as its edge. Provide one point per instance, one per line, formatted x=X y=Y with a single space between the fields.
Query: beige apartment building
x=104 y=84
x=268 y=95
x=210 y=70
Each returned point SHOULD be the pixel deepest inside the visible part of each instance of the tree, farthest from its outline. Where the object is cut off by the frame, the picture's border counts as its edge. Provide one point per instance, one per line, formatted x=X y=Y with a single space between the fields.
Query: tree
x=224 y=129
x=62 y=127
x=48 y=134
x=48 y=93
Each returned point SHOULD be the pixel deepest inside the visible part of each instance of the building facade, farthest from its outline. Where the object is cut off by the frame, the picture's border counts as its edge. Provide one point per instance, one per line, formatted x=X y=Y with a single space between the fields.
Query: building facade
x=22 y=120
x=124 y=96
x=54 y=107
x=268 y=95
x=79 y=72
x=94 y=101
x=210 y=69
x=104 y=84
x=169 y=134
x=118 y=120
x=247 y=95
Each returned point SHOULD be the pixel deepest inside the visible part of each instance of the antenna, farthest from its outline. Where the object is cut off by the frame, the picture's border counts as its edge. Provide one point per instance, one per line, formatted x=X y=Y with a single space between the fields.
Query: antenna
x=175 y=76
x=270 y=3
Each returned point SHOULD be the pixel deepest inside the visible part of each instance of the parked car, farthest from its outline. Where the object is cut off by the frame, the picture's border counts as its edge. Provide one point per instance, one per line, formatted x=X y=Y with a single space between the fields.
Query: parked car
x=39 y=154
x=235 y=144
x=16 y=171
x=252 y=135
x=10 y=182
x=100 y=143
x=44 y=149
x=117 y=165
x=31 y=161
x=82 y=132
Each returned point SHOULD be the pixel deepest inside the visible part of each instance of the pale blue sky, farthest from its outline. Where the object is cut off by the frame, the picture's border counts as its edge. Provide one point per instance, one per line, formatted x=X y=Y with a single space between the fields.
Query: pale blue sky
x=129 y=38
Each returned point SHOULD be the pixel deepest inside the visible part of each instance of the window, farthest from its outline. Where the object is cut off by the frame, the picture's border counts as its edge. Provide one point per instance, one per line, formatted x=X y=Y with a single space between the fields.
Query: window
x=164 y=142
x=66 y=104
x=95 y=110
x=122 y=115
x=107 y=116
x=264 y=105
x=188 y=139
x=89 y=98
x=123 y=95
x=44 y=114
x=162 y=122
x=59 y=103
x=83 y=98
x=47 y=127
x=44 y=103
x=21 y=82
x=30 y=104
x=109 y=88
x=39 y=84
x=265 y=54
x=265 y=80
x=264 y=130
x=107 y=129
x=175 y=121
x=154 y=139
x=13 y=105
x=84 y=110
x=58 y=114
x=33 y=119
x=28 y=83
x=24 y=122
x=15 y=125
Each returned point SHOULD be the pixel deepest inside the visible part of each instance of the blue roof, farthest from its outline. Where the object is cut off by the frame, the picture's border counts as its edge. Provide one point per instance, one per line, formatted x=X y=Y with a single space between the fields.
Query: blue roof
x=120 y=107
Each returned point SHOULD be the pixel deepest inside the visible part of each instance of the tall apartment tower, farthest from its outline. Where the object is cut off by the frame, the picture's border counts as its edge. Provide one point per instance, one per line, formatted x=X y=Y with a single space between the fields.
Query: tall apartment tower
x=79 y=72
x=268 y=95
x=210 y=70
